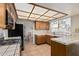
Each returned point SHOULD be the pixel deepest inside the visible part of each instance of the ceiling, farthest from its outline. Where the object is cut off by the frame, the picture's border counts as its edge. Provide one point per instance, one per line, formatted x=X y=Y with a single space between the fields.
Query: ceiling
x=36 y=12
x=68 y=8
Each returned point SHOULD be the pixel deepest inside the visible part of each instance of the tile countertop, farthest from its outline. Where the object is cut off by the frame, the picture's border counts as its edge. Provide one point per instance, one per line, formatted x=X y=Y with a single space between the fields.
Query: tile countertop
x=66 y=40
x=17 y=37
x=10 y=47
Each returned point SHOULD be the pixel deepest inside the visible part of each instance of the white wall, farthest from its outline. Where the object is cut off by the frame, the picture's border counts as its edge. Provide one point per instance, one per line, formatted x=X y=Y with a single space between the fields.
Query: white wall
x=1 y=33
x=29 y=26
x=74 y=22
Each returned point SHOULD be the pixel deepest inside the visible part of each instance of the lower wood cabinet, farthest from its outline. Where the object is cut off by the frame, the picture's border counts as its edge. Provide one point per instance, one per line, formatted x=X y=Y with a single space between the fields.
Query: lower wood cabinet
x=58 y=49
x=48 y=41
x=40 y=39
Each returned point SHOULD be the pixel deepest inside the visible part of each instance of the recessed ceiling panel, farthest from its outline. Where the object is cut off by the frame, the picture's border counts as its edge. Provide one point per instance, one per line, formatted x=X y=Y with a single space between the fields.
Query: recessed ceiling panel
x=43 y=17
x=50 y=13
x=36 y=12
x=43 y=20
x=21 y=17
x=24 y=6
x=23 y=13
x=59 y=15
x=34 y=16
x=39 y=10
x=52 y=18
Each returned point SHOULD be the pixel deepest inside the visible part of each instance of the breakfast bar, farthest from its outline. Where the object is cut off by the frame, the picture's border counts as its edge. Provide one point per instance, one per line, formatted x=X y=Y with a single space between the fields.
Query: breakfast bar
x=65 y=46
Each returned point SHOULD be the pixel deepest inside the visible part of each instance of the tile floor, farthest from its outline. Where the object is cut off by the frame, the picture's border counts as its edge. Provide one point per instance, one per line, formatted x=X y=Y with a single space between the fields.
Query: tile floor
x=36 y=50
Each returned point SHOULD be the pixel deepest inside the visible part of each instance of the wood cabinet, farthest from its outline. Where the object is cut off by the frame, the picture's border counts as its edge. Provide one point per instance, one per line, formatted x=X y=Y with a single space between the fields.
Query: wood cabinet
x=58 y=49
x=40 y=39
x=2 y=15
x=8 y=15
x=39 y=25
x=48 y=41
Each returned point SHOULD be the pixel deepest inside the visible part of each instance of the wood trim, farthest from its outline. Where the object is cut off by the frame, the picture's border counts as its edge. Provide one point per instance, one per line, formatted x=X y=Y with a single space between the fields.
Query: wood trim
x=43 y=14
x=15 y=9
x=31 y=11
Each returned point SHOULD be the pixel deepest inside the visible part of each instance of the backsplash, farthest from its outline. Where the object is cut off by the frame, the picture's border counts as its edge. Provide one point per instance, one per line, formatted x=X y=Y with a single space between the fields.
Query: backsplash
x=3 y=33
x=40 y=32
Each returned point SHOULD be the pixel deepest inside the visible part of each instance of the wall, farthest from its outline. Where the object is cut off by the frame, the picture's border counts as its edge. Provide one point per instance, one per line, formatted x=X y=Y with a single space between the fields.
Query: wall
x=74 y=22
x=29 y=26
x=1 y=33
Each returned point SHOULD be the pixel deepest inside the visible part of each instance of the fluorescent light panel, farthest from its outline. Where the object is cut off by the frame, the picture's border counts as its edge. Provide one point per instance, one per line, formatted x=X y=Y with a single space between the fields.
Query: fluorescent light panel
x=50 y=19
x=39 y=10
x=59 y=15
x=34 y=16
x=50 y=13
x=21 y=17
x=23 y=13
x=43 y=17
x=24 y=6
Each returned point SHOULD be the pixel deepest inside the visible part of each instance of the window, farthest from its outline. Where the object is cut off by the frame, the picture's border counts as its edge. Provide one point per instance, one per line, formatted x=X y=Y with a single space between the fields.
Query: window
x=65 y=24
x=54 y=25
x=62 y=25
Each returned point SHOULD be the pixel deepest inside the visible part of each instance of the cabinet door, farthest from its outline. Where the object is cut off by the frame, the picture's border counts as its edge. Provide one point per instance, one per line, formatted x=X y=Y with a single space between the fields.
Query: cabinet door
x=12 y=11
x=40 y=39
x=5 y=10
x=12 y=15
x=42 y=25
x=47 y=26
x=2 y=15
x=48 y=39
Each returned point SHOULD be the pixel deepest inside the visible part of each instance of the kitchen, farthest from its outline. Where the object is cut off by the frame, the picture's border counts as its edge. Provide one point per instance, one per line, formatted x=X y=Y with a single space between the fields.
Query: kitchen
x=36 y=25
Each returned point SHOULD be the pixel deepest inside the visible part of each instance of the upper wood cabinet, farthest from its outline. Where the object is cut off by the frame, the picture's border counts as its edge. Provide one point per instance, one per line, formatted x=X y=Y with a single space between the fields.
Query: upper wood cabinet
x=39 y=25
x=2 y=15
x=11 y=10
x=8 y=15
